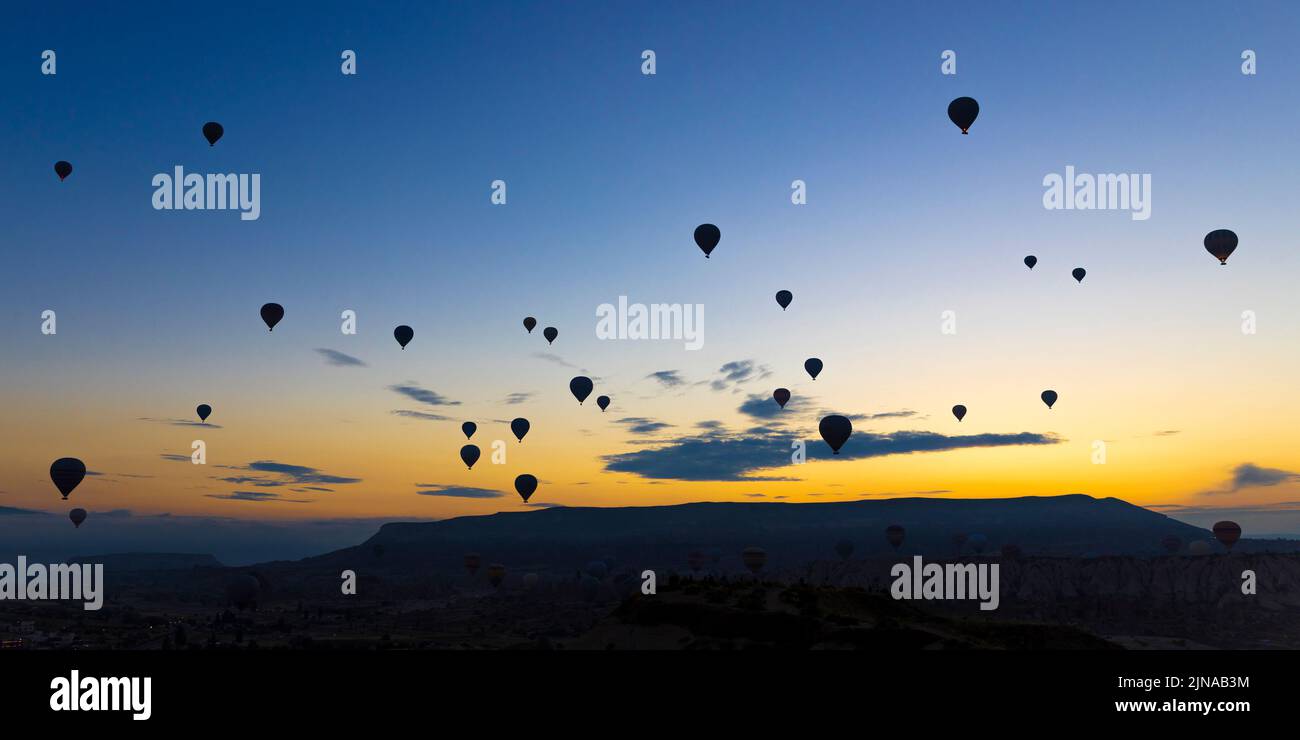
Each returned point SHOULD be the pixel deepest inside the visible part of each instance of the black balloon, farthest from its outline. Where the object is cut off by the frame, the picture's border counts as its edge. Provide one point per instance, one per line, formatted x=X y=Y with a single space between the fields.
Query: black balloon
x=782 y=396
x=469 y=455
x=520 y=427
x=1049 y=398
x=602 y=402
x=525 y=485
x=469 y=428
x=835 y=430
x=63 y=169
x=67 y=473
x=963 y=111
x=1030 y=261
x=813 y=366
x=212 y=131
x=959 y=411
x=271 y=314
x=77 y=516
x=403 y=334
x=1078 y=273
x=203 y=411
x=581 y=387
x=530 y=323
x=550 y=333
x=783 y=298
x=894 y=534
x=707 y=237
x=1221 y=243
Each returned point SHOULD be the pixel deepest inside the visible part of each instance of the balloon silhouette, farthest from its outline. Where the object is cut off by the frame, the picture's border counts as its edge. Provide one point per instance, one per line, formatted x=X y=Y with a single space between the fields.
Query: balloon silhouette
x=496 y=574
x=403 y=334
x=1030 y=261
x=602 y=402
x=212 y=131
x=844 y=549
x=707 y=237
x=894 y=535
x=962 y=112
x=271 y=314
x=77 y=516
x=1049 y=398
x=754 y=558
x=695 y=560
x=469 y=455
x=1172 y=543
x=530 y=323
x=469 y=428
x=1227 y=533
x=1221 y=243
x=782 y=396
x=525 y=485
x=959 y=411
x=203 y=411
x=550 y=333
x=472 y=562
x=67 y=473
x=581 y=387
x=520 y=427
x=62 y=169
x=1078 y=273
x=813 y=366
x=835 y=430
x=783 y=298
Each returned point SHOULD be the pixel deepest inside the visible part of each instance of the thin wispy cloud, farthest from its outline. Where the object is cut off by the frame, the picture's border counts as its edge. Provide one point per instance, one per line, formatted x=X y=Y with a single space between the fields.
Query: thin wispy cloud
x=424 y=415
x=339 y=359
x=667 y=378
x=1250 y=475
x=642 y=425
x=422 y=395
x=515 y=399
x=459 y=492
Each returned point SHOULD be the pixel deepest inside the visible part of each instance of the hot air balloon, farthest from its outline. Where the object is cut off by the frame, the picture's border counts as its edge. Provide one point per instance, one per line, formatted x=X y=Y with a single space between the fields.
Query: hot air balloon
x=1078 y=273
x=469 y=455
x=813 y=366
x=835 y=429
x=1221 y=243
x=783 y=298
x=959 y=411
x=1049 y=398
x=754 y=558
x=496 y=574
x=1172 y=543
x=782 y=396
x=707 y=237
x=962 y=112
x=469 y=428
x=403 y=334
x=472 y=562
x=525 y=485
x=602 y=402
x=1030 y=261
x=242 y=590
x=203 y=410
x=67 y=473
x=977 y=543
x=520 y=427
x=1227 y=533
x=844 y=549
x=550 y=333
x=271 y=314
x=581 y=387
x=212 y=131
x=63 y=169
x=77 y=516
x=530 y=323
x=894 y=535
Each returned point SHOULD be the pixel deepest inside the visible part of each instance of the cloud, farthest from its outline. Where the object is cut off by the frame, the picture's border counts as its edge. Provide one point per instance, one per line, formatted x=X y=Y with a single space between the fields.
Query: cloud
x=176 y=458
x=181 y=422
x=766 y=407
x=15 y=511
x=900 y=414
x=737 y=372
x=419 y=415
x=551 y=357
x=255 y=496
x=460 y=492
x=737 y=458
x=1250 y=475
x=710 y=425
x=339 y=359
x=517 y=398
x=642 y=425
x=1167 y=433
x=668 y=378
x=423 y=395
x=282 y=474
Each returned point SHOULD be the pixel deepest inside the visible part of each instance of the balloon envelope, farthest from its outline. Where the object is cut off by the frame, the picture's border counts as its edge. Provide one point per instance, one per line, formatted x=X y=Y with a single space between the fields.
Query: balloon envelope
x=472 y=562
x=67 y=473
x=602 y=402
x=1078 y=273
x=754 y=558
x=959 y=411
x=469 y=428
x=1049 y=398
x=530 y=323
x=469 y=455
x=894 y=535
x=835 y=429
x=707 y=237
x=496 y=574
x=271 y=314
x=813 y=366
x=1172 y=543
x=77 y=516
x=782 y=396
x=1221 y=243
x=550 y=333
x=1030 y=261
x=212 y=131
x=1227 y=533
x=581 y=387
x=783 y=298
x=525 y=485
x=403 y=334
x=962 y=112
x=203 y=411
x=520 y=427
x=63 y=169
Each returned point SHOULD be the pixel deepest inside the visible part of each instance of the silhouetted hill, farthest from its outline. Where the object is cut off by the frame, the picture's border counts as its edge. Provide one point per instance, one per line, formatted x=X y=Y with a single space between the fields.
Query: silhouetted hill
x=130 y=561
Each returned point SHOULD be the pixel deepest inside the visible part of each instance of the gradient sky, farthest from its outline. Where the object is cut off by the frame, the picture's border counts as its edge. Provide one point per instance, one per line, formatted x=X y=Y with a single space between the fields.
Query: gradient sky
x=375 y=198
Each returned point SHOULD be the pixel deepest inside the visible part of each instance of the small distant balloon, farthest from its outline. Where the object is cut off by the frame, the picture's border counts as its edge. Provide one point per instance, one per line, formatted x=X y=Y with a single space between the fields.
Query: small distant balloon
x=695 y=560
x=77 y=516
x=1030 y=261
x=67 y=473
x=707 y=237
x=894 y=534
x=754 y=558
x=1049 y=398
x=403 y=334
x=1198 y=547
x=550 y=333
x=813 y=366
x=63 y=169
x=959 y=411
x=1221 y=243
x=271 y=314
x=1078 y=273
x=783 y=298
x=525 y=485
x=602 y=402
x=520 y=427
x=530 y=323
x=469 y=455
x=782 y=396
x=204 y=411
x=469 y=428
x=1172 y=543
x=962 y=112
x=212 y=131
x=472 y=562
x=835 y=429
x=1227 y=533
x=496 y=574
x=581 y=387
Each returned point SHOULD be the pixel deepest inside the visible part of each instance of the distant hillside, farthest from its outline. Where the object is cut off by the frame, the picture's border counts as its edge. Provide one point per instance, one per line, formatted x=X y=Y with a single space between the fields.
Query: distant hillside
x=127 y=561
